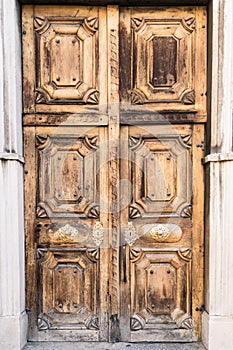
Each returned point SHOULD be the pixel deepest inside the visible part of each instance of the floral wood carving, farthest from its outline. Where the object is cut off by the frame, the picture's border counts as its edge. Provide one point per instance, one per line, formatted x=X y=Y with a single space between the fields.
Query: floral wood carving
x=159 y=233
x=98 y=233
x=188 y=98
x=182 y=319
x=130 y=234
x=67 y=233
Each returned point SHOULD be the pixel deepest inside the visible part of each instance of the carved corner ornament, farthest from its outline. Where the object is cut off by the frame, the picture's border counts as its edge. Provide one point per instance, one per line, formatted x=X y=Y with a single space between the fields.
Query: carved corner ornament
x=134 y=212
x=130 y=234
x=182 y=319
x=135 y=254
x=42 y=141
x=185 y=254
x=94 y=212
x=91 y=142
x=138 y=24
x=188 y=98
x=189 y=24
x=187 y=139
x=138 y=320
x=92 y=322
x=93 y=254
x=135 y=142
x=91 y=24
x=41 y=212
x=91 y=97
x=41 y=24
x=98 y=233
x=137 y=97
x=186 y=211
x=43 y=322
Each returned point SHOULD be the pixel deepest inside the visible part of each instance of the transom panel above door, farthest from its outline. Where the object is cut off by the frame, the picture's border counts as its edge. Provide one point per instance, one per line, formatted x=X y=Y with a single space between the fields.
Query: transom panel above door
x=114 y=118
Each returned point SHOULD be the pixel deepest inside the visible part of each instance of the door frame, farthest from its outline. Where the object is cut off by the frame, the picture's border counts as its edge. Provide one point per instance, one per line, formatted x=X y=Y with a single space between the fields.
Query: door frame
x=13 y=315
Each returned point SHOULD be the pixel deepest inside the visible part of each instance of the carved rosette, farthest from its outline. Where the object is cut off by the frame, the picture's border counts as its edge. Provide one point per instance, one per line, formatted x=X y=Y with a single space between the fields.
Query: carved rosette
x=159 y=233
x=98 y=233
x=67 y=233
x=130 y=234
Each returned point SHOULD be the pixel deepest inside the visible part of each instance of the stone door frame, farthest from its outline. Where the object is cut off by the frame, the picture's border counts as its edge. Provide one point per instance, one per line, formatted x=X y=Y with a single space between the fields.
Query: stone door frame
x=218 y=310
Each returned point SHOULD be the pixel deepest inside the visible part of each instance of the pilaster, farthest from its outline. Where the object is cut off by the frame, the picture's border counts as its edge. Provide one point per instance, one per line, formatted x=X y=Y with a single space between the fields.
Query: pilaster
x=13 y=319
x=218 y=317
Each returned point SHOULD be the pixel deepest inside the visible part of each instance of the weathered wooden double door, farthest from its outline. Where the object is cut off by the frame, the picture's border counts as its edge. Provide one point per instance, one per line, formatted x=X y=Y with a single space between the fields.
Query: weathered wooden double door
x=114 y=117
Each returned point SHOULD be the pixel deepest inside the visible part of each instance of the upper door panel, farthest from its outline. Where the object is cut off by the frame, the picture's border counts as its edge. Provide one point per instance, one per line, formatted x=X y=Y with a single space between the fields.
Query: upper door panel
x=64 y=47
x=166 y=66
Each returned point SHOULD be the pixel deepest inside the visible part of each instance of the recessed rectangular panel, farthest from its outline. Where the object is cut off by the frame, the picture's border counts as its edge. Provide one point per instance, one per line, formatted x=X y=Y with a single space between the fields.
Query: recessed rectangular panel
x=164 y=61
x=160 y=285
x=68 y=175
x=68 y=295
x=67 y=51
x=160 y=161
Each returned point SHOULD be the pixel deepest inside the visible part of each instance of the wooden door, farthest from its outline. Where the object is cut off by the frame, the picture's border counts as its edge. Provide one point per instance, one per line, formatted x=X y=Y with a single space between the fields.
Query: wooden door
x=114 y=118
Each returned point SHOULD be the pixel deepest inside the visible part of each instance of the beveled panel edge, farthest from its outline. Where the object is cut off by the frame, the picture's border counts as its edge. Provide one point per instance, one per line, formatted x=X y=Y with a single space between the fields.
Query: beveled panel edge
x=65 y=119
x=178 y=117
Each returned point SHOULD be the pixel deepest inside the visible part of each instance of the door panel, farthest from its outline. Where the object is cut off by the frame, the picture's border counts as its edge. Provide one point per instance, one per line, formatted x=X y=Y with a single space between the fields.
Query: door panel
x=166 y=69
x=114 y=118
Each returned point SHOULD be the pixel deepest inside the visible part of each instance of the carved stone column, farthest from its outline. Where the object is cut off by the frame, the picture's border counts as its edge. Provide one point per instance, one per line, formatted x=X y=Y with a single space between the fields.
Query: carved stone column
x=13 y=319
x=217 y=318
